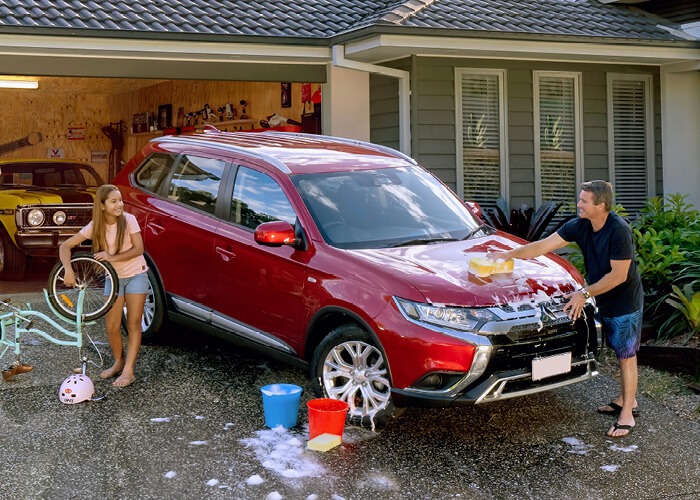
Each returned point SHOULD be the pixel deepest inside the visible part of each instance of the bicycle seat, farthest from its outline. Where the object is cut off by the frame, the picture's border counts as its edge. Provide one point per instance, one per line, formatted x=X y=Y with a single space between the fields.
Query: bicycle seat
x=15 y=369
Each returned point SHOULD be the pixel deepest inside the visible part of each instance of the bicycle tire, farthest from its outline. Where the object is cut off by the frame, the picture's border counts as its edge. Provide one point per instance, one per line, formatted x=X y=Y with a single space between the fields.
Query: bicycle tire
x=92 y=276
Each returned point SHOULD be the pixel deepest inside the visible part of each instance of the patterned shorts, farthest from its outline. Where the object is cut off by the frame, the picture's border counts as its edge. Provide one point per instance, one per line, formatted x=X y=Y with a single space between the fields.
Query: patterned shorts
x=624 y=333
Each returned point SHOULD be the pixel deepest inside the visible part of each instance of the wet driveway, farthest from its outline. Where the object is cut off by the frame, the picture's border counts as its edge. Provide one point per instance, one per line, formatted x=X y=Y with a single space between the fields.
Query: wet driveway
x=192 y=426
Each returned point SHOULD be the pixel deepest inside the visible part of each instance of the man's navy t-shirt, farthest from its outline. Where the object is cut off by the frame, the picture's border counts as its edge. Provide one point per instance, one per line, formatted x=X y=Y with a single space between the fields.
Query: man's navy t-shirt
x=613 y=241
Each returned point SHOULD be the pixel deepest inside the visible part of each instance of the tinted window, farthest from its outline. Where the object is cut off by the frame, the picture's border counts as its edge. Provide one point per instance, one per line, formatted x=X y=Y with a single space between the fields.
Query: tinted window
x=196 y=182
x=153 y=170
x=257 y=198
x=48 y=174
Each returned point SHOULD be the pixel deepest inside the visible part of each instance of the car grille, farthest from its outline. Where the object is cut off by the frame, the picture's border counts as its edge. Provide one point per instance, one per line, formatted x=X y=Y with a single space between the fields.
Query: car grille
x=77 y=215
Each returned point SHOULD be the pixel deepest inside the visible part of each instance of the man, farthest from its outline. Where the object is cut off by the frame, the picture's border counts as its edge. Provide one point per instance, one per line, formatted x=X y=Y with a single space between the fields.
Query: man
x=608 y=250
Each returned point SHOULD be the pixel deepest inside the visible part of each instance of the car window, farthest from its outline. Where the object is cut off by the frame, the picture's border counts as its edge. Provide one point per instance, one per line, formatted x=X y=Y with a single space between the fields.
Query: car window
x=42 y=174
x=257 y=198
x=153 y=170
x=195 y=182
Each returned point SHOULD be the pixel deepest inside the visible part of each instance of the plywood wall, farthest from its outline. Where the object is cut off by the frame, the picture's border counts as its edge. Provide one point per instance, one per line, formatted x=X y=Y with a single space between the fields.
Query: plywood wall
x=264 y=99
x=51 y=114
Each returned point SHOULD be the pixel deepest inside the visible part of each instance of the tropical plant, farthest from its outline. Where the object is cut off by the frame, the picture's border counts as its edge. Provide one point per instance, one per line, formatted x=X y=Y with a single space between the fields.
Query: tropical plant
x=687 y=302
x=526 y=223
x=551 y=138
x=476 y=133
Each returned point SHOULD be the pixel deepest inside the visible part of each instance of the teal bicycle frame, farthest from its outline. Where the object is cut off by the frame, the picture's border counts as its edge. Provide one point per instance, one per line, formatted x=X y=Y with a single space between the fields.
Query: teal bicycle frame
x=22 y=324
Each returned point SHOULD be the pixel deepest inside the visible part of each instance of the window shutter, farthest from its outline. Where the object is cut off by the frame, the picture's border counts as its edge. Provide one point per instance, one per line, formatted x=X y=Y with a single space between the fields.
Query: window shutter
x=557 y=140
x=629 y=142
x=481 y=138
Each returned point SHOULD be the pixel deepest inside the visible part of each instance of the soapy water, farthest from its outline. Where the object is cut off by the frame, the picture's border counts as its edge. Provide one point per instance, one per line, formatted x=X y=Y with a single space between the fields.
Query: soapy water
x=279 y=390
x=577 y=447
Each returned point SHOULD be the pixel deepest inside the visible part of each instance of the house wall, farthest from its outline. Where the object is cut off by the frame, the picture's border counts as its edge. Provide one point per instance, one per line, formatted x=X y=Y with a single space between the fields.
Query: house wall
x=346 y=103
x=433 y=117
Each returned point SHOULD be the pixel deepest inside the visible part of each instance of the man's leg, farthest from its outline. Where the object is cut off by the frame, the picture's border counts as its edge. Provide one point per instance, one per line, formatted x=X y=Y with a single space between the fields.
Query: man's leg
x=628 y=381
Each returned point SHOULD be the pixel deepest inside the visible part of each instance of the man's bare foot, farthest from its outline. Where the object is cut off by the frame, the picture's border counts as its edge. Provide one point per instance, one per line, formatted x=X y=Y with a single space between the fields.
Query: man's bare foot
x=124 y=380
x=115 y=370
x=621 y=428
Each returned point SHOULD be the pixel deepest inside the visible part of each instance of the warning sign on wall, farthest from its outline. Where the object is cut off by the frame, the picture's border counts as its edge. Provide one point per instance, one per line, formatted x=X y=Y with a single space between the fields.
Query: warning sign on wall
x=76 y=134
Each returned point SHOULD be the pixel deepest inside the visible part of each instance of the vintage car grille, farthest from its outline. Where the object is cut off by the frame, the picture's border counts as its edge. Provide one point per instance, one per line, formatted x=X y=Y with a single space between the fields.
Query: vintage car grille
x=78 y=215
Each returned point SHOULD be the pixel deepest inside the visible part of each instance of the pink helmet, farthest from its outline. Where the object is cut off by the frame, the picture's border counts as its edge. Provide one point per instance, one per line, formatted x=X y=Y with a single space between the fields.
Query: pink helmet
x=75 y=389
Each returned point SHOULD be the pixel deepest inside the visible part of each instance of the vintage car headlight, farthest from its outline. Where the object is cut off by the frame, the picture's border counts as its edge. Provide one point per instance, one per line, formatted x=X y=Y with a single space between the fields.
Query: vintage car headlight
x=59 y=217
x=35 y=217
x=457 y=318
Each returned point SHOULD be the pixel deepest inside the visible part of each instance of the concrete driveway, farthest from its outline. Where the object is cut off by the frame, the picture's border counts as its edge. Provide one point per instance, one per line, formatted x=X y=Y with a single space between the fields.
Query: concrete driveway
x=192 y=426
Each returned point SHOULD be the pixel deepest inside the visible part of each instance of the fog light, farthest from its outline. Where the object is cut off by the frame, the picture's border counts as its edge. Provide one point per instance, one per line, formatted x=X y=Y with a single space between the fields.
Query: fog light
x=59 y=218
x=433 y=380
x=35 y=217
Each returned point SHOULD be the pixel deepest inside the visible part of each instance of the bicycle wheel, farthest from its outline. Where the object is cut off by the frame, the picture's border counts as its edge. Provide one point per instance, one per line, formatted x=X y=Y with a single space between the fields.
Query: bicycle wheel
x=91 y=276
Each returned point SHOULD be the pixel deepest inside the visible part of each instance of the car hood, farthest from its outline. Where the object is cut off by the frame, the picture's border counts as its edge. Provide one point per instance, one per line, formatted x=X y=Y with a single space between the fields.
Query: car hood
x=45 y=196
x=440 y=272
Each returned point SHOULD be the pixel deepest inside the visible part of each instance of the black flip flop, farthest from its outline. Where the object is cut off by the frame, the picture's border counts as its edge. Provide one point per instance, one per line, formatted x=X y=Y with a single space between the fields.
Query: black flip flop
x=616 y=409
x=618 y=425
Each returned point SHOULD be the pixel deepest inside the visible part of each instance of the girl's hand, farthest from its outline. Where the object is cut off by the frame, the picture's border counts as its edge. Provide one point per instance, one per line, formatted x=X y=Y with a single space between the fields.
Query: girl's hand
x=104 y=256
x=69 y=278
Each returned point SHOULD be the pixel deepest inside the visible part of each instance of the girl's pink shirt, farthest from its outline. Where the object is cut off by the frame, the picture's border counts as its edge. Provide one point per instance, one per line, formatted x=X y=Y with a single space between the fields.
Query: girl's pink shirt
x=124 y=268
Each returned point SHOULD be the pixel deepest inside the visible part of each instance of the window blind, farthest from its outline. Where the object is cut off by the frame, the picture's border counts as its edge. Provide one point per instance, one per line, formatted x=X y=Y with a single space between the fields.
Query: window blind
x=481 y=138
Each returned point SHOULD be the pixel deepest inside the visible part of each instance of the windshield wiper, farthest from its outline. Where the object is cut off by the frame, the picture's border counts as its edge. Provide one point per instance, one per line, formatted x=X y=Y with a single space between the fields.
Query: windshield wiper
x=421 y=241
x=481 y=227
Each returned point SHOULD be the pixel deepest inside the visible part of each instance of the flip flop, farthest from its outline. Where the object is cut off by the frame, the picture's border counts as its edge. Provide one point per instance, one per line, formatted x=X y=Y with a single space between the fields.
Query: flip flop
x=616 y=409
x=123 y=381
x=618 y=425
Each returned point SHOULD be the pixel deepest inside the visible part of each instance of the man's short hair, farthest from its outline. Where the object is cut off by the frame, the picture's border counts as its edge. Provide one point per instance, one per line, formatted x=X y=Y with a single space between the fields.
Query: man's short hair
x=602 y=192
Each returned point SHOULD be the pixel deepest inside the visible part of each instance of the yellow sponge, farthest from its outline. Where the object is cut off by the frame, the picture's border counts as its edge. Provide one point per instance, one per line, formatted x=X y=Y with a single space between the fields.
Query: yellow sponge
x=483 y=267
x=323 y=442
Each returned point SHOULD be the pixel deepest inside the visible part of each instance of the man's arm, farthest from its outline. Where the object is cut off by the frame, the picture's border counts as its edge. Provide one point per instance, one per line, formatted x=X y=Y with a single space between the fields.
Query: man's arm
x=616 y=276
x=534 y=249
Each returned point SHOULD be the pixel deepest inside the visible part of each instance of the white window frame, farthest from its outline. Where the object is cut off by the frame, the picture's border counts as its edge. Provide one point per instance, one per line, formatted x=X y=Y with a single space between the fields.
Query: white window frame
x=503 y=126
x=578 y=128
x=649 y=131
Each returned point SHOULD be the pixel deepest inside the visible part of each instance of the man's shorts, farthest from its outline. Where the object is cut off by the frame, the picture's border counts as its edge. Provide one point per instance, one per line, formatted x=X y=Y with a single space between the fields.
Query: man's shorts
x=624 y=333
x=134 y=284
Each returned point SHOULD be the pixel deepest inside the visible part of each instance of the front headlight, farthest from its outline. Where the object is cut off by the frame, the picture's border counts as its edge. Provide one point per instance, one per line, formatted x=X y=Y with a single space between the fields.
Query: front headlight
x=457 y=318
x=59 y=217
x=35 y=217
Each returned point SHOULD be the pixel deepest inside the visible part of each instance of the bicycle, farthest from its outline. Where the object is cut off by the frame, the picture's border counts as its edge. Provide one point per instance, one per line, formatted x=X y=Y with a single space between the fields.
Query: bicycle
x=95 y=291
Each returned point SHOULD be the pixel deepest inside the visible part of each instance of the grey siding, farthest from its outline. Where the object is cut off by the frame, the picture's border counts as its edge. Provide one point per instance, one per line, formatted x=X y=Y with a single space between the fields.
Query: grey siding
x=433 y=116
x=384 y=107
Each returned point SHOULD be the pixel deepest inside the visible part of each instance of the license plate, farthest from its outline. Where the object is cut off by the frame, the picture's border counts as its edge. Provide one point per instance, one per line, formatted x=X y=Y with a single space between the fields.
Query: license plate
x=551 y=365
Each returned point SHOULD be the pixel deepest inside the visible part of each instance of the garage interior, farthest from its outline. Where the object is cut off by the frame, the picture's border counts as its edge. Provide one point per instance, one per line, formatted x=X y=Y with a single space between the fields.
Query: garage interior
x=75 y=114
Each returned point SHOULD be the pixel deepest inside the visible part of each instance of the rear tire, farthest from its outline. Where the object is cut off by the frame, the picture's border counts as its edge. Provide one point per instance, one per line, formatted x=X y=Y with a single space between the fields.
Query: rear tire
x=154 y=315
x=13 y=261
x=347 y=365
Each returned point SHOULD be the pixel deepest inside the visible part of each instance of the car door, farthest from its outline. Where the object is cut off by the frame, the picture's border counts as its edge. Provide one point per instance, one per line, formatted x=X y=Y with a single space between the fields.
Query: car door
x=181 y=225
x=259 y=286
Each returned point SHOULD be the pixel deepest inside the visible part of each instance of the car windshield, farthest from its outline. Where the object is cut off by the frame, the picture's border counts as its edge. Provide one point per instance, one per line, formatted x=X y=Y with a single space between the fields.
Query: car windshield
x=386 y=207
x=43 y=175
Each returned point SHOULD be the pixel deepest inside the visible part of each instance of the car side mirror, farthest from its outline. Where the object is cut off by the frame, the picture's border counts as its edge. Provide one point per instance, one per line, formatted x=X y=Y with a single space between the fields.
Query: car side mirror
x=475 y=209
x=275 y=234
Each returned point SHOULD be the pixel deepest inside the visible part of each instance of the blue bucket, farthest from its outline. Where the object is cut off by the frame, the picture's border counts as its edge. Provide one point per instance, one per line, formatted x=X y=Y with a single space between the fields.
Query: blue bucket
x=281 y=404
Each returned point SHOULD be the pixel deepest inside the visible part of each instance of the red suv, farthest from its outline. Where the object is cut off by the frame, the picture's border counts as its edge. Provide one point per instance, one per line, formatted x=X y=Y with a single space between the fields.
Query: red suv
x=353 y=261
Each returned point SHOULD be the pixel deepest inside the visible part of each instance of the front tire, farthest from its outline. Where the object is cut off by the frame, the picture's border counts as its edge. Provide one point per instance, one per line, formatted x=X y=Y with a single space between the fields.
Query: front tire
x=13 y=261
x=347 y=365
x=154 y=317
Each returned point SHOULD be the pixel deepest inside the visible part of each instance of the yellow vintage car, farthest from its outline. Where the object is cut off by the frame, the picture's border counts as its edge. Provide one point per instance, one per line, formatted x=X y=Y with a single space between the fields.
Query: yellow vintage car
x=42 y=204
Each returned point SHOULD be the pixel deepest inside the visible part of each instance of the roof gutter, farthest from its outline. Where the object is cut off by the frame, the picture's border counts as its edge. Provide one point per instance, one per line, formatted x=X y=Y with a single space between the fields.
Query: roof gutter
x=404 y=78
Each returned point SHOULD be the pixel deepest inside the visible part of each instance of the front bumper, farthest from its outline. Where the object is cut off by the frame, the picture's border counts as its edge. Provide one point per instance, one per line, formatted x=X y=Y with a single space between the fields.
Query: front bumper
x=44 y=242
x=501 y=385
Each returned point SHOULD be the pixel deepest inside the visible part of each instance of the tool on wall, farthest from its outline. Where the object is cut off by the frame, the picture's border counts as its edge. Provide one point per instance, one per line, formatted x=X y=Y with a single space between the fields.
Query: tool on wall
x=115 y=133
x=243 y=115
x=31 y=140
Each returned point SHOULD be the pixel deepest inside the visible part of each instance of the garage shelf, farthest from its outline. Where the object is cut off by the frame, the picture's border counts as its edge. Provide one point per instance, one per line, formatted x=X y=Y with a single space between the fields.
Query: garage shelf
x=201 y=126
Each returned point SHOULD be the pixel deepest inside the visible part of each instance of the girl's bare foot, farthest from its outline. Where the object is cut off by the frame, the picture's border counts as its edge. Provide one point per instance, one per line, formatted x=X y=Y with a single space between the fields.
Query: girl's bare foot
x=124 y=380
x=115 y=370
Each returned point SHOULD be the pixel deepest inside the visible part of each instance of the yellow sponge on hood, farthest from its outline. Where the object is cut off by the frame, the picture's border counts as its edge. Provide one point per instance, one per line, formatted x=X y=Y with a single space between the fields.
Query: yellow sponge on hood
x=483 y=267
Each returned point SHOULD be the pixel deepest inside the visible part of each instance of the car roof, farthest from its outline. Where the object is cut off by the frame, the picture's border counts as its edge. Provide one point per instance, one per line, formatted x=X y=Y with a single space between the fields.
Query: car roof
x=296 y=153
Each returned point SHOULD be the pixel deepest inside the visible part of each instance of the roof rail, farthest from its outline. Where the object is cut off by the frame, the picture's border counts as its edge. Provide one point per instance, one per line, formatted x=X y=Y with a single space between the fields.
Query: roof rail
x=228 y=147
x=354 y=142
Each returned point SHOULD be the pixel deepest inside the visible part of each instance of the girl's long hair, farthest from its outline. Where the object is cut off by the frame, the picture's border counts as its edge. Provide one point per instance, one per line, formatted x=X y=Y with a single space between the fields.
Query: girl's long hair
x=99 y=242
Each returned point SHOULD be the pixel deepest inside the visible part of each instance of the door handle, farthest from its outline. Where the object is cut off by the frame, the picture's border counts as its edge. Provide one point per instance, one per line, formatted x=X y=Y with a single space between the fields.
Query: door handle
x=155 y=227
x=226 y=253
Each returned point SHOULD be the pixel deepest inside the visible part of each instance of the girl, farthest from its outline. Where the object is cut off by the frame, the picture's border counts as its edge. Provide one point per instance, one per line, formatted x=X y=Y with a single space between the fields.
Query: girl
x=116 y=238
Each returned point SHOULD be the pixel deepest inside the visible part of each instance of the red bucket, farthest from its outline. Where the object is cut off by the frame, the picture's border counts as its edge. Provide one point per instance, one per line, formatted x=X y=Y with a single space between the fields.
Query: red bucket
x=326 y=416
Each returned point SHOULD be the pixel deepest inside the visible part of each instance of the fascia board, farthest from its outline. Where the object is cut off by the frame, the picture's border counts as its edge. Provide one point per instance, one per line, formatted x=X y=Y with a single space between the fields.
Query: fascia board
x=161 y=49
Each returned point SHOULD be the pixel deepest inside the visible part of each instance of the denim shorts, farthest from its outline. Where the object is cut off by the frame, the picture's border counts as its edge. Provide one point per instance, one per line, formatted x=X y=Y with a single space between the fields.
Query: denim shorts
x=134 y=284
x=624 y=333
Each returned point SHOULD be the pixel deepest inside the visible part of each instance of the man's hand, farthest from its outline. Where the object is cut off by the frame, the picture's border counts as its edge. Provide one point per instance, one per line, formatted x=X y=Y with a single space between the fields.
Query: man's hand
x=575 y=306
x=69 y=278
x=495 y=255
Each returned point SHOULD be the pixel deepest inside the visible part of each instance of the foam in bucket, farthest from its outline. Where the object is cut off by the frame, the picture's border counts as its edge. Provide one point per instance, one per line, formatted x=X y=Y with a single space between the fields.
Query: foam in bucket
x=326 y=416
x=281 y=405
